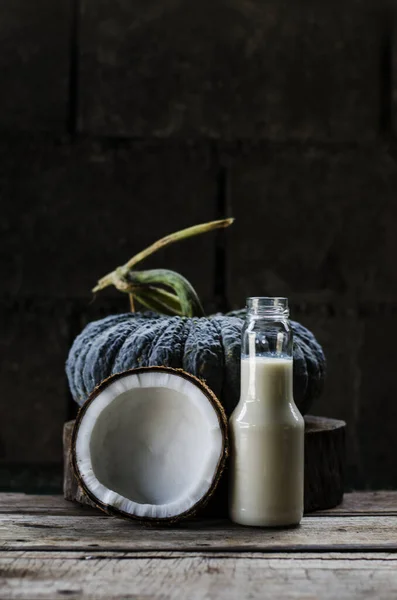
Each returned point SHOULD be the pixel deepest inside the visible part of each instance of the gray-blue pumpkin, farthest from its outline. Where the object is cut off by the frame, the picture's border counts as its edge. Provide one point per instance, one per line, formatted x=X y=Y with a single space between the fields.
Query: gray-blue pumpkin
x=208 y=348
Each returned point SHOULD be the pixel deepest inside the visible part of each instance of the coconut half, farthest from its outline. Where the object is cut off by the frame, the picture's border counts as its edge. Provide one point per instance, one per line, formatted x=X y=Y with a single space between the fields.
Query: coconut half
x=151 y=444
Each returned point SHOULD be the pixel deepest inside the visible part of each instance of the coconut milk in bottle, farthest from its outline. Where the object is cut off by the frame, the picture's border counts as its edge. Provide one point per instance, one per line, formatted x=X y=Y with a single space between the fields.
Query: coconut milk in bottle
x=266 y=428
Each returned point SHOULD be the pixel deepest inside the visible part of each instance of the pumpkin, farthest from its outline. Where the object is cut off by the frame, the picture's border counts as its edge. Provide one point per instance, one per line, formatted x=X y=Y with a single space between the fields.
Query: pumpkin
x=181 y=337
x=208 y=348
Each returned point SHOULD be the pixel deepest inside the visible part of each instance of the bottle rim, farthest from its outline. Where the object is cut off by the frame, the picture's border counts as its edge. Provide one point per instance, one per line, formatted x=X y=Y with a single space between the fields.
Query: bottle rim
x=267 y=302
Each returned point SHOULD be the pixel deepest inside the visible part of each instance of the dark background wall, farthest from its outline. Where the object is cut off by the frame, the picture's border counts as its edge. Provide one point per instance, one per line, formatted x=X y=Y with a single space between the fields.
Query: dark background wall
x=124 y=120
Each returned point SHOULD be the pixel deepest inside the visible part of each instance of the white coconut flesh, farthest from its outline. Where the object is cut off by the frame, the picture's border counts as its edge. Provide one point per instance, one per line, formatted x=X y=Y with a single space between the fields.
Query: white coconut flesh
x=149 y=444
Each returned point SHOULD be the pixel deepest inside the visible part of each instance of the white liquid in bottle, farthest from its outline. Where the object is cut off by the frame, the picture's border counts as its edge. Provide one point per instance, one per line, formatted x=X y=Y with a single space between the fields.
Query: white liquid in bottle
x=267 y=446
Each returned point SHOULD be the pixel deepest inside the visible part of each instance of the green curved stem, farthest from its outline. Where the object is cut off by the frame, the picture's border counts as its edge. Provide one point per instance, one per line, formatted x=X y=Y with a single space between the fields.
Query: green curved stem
x=122 y=271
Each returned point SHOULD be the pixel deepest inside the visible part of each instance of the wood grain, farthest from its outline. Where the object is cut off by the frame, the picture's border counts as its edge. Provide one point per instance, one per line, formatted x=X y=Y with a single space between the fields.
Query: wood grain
x=79 y=532
x=52 y=548
x=365 y=503
x=382 y=503
x=199 y=577
x=42 y=504
x=324 y=469
x=103 y=554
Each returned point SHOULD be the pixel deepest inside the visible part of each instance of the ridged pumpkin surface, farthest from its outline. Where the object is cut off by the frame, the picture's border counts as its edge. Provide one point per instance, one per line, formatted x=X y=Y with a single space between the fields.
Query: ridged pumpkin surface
x=208 y=348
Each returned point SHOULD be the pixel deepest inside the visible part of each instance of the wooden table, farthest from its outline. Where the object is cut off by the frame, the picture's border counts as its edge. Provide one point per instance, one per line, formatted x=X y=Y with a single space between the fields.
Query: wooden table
x=51 y=548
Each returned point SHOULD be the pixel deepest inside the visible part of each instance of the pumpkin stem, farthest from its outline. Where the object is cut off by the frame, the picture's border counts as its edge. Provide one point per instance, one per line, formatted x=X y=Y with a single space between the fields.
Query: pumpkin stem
x=132 y=303
x=120 y=272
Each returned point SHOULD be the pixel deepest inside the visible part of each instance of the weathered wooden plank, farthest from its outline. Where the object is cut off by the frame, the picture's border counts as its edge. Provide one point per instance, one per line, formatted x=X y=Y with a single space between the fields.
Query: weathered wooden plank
x=230 y=69
x=77 y=532
x=382 y=503
x=41 y=504
x=199 y=577
x=34 y=65
x=365 y=503
x=313 y=557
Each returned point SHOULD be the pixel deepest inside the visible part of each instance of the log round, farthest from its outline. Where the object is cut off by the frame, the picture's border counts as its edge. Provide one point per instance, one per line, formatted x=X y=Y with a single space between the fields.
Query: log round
x=324 y=469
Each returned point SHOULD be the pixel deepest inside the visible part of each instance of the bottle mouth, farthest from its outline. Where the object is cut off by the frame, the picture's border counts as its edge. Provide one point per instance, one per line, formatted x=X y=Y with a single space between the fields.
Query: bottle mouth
x=268 y=305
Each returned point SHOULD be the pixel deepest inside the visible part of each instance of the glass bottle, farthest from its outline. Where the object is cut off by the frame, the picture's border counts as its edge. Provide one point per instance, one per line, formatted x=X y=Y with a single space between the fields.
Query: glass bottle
x=266 y=428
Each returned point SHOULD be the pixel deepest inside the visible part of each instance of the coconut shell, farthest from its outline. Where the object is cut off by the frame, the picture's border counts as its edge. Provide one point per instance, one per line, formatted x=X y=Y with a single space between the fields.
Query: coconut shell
x=223 y=425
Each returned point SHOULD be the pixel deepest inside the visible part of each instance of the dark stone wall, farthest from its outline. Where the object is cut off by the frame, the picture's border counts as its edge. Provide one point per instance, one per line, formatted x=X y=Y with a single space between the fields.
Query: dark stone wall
x=122 y=121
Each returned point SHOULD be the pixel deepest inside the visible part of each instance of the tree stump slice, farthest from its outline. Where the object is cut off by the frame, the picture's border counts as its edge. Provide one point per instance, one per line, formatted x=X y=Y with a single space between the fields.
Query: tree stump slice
x=71 y=488
x=325 y=458
x=324 y=469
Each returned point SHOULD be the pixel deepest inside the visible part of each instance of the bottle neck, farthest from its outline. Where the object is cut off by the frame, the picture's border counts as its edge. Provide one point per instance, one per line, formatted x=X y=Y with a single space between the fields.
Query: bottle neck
x=266 y=338
x=266 y=331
